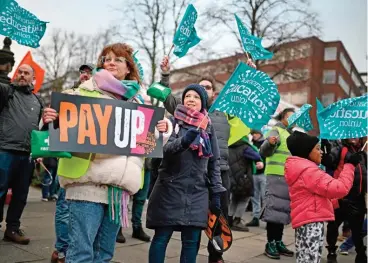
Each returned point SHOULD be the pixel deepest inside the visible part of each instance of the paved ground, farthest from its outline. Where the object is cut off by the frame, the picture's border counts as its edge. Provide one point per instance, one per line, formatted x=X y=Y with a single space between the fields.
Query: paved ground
x=38 y=222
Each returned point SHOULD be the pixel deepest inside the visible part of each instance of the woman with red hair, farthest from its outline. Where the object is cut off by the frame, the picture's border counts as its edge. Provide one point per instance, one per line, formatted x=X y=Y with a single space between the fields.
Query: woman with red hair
x=93 y=181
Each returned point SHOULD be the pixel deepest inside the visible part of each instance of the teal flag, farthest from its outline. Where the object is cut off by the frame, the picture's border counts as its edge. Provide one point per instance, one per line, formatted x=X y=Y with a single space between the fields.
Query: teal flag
x=139 y=66
x=186 y=35
x=343 y=119
x=250 y=95
x=301 y=118
x=20 y=25
x=252 y=44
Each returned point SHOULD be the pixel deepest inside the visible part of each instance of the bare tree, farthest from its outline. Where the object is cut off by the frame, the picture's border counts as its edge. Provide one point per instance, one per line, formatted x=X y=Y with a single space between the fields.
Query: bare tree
x=150 y=27
x=65 y=51
x=277 y=21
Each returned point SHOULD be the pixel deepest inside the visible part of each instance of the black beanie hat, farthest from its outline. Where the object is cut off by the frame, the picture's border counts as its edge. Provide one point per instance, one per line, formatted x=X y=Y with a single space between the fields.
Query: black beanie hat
x=301 y=144
x=201 y=92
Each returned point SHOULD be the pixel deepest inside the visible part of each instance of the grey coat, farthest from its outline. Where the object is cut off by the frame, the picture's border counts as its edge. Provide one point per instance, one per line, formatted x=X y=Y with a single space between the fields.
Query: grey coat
x=277 y=199
x=218 y=120
x=180 y=194
x=20 y=114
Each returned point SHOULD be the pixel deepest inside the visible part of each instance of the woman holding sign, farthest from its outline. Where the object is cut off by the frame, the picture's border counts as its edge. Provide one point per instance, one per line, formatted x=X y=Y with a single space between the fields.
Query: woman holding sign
x=98 y=185
x=190 y=169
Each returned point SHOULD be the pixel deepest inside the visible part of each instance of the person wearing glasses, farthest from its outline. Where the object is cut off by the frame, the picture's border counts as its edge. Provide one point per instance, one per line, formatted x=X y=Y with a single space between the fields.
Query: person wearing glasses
x=92 y=211
x=85 y=73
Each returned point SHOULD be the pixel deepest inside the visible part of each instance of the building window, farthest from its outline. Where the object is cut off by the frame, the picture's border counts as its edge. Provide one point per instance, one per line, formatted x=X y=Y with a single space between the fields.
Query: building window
x=329 y=76
x=330 y=53
x=296 y=98
x=345 y=62
x=328 y=99
x=355 y=79
x=343 y=84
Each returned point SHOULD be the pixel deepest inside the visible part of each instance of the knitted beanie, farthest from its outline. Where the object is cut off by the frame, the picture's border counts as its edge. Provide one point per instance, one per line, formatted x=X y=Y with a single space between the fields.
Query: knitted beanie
x=301 y=144
x=201 y=92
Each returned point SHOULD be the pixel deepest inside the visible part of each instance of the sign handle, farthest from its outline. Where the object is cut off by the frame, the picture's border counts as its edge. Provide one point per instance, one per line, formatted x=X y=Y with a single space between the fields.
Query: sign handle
x=365 y=144
x=171 y=48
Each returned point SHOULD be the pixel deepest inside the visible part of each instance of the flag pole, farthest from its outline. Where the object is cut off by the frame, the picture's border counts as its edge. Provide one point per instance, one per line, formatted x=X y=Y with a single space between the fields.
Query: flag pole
x=172 y=46
x=364 y=146
x=246 y=53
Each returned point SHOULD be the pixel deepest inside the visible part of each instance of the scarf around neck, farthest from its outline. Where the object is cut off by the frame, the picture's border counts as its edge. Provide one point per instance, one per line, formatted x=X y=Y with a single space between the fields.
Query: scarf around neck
x=107 y=82
x=199 y=120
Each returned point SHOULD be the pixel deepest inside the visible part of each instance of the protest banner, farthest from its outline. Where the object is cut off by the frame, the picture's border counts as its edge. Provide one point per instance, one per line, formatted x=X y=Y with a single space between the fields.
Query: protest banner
x=92 y=125
x=252 y=44
x=301 y=118
x=343 y=119
x=186 y=34
x=39 y=72
x=250 y=95
x=20 y=25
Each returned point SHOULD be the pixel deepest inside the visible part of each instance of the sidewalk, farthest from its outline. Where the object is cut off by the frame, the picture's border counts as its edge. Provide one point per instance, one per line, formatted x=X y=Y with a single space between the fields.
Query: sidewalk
x=38 y=223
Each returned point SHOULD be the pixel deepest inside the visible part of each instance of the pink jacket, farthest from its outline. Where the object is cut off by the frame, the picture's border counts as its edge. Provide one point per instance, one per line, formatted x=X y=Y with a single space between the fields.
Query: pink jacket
x=311 y=190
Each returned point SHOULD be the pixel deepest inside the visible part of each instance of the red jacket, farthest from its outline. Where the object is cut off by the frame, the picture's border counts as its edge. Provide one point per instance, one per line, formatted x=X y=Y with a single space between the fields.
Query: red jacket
x=311 y=190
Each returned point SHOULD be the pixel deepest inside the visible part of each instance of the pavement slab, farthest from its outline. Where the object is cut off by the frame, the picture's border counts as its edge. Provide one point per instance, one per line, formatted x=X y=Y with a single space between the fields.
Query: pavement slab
x=38 y=223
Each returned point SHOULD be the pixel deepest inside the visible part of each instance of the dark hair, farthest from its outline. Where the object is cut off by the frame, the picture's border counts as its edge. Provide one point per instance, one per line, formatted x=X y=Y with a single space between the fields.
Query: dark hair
x=282 y=114
x=208 y=78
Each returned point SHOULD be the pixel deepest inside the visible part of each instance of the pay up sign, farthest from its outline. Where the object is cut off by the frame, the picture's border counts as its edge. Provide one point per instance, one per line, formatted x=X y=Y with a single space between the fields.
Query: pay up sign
x=91 y=125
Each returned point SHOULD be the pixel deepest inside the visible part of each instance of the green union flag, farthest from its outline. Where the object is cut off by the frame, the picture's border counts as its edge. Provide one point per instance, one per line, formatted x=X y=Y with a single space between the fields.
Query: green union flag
x=186 y=35
x=20 y=25
x=250 y=95
x=252 y=44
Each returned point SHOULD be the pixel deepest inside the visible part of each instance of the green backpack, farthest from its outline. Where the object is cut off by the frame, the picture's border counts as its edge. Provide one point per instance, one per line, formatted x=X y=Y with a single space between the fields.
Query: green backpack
x=40 y=146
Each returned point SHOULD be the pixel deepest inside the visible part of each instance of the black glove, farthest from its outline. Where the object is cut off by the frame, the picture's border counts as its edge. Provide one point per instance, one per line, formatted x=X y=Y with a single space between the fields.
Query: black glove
x=354 y=158
x=189 y=137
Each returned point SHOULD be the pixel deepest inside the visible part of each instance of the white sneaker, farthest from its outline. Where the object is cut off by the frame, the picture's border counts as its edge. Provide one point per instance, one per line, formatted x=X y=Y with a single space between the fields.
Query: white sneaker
x=44 y=199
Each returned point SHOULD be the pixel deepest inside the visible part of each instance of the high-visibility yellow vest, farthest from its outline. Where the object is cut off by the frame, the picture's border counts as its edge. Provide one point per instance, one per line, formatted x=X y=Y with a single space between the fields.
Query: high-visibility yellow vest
x=275 y=163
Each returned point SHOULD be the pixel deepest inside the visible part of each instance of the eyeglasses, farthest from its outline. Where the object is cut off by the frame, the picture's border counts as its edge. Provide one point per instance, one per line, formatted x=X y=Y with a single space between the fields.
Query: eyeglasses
x=89 y=73
x=207 y=87
x=118 y=60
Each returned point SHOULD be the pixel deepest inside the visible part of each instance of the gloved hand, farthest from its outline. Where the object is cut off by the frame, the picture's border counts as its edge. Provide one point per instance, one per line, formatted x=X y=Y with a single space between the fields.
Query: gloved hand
x=189 y=137
x=216 y=202
x=354 y=158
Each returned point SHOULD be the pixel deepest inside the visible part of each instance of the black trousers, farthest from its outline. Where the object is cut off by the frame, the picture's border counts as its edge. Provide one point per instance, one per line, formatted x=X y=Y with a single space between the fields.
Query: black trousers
x=274 y=231
x=214 y=255
x=355 y=221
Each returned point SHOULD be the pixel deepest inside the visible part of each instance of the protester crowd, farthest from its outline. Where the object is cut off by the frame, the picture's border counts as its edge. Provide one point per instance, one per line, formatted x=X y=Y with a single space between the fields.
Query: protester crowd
x=285 y=175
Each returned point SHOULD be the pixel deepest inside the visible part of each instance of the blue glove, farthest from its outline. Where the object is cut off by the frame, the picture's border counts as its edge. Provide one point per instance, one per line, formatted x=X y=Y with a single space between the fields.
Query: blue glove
x=216 y=202
x=189 y=137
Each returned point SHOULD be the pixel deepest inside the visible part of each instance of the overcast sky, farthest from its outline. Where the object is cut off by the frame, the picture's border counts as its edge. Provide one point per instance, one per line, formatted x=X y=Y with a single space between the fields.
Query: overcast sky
x=341 y=20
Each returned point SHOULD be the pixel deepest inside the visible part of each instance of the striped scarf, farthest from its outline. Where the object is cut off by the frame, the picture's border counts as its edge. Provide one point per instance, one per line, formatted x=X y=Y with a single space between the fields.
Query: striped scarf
x=199 y=120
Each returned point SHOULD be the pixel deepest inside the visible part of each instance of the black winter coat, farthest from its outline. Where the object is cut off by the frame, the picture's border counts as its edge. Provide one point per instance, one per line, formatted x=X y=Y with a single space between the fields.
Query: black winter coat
x=180 y=195
x=241 y=177
x=356 y=196
x=21 y=112
x=218 y=120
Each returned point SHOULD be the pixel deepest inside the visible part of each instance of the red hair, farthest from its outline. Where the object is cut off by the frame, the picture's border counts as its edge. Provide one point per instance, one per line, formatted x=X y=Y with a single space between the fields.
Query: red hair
x=121 y=50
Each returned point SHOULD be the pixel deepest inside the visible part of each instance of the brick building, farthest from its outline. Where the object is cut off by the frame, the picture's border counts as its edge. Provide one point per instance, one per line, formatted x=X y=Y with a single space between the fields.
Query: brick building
x=303 y=70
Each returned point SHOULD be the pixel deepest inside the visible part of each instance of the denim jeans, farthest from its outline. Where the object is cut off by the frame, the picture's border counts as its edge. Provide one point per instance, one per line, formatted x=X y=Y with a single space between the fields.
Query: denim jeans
x=139 y=200
x=190 y=240
x=62 y=223
x=15 y=172
x=92 y=234
x=49 y=190
x=259 y=184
